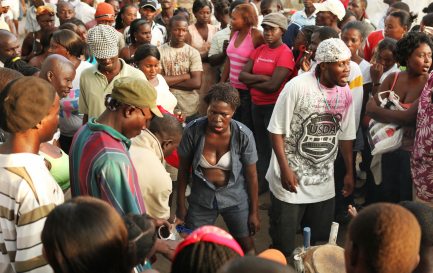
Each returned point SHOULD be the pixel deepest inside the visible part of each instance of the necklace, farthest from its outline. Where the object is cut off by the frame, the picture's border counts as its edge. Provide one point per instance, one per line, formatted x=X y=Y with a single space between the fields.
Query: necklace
x=333 y=113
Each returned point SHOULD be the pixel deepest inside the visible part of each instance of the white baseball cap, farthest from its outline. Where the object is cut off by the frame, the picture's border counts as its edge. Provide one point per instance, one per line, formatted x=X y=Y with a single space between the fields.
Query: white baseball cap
x=333 y=6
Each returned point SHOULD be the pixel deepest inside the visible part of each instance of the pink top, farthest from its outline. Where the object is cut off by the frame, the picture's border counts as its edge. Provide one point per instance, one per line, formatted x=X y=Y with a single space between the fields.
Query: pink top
x=422 y=154
x=239 y=57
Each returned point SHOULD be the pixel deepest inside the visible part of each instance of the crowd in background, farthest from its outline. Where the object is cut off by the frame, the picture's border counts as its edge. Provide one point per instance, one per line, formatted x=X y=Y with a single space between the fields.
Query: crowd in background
x=128 y=127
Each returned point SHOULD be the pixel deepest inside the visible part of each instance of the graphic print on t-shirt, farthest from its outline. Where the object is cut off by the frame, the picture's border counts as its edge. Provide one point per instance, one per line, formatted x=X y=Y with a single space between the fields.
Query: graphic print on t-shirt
x=319 y=136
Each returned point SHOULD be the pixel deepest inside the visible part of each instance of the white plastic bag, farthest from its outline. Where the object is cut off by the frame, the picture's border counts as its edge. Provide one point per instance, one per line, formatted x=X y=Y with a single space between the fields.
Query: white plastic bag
x=385 y=137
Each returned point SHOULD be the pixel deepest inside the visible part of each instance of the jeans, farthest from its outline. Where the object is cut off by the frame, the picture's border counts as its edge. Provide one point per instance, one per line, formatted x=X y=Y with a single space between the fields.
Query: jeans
x=261 y=117
x=243 y=113
x=285 y=219
x=235 y=217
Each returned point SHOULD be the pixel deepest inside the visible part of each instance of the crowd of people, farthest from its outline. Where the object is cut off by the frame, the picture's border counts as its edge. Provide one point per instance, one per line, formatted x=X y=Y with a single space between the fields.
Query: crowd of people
x=121 y=121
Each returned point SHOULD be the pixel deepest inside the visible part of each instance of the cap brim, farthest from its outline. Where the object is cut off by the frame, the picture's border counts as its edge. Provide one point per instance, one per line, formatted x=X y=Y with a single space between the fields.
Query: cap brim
x=320 y=7
x=270 y=24
x=324 y=7
x=156 y=111
x=103 y=54
x=148 y=5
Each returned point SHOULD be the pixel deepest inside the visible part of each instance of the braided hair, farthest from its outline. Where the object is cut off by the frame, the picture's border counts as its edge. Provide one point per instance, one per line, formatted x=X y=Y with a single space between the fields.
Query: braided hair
x=202 y=257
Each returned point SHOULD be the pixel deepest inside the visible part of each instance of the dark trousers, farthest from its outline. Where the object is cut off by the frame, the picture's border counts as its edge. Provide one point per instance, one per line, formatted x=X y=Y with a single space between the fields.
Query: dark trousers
x=261 y=116
x=285 y=219
x=371 y=189
x=396 y=177
x=243 y=113
x=65 y=143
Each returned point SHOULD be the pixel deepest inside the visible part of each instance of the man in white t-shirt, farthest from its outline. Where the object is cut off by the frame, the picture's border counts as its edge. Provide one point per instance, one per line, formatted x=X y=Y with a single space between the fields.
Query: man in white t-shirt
x=313 y=117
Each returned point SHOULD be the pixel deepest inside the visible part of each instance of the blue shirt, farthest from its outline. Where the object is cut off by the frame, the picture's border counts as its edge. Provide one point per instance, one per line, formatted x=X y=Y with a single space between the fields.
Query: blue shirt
x=290 y=34
x=242 y=152
x=301 y=18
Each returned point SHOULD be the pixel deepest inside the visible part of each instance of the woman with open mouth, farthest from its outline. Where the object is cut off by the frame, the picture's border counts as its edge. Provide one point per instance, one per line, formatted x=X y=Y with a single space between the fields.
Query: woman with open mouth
x=414 y=51
x=221 y=155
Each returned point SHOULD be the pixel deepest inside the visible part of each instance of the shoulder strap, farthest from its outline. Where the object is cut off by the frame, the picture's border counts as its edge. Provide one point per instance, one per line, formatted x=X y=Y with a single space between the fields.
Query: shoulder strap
x=395 y=80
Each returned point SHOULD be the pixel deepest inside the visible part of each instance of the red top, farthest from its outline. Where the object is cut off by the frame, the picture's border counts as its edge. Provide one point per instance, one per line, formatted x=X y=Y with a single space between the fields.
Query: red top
x=345 y=3
x=372 y=41
x=265 y=60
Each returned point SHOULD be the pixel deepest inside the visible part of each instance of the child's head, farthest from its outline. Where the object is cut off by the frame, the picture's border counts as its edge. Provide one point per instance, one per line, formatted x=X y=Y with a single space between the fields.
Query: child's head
x=385 y=53
x=319 y=35
x=141 y=236
x=303 y=38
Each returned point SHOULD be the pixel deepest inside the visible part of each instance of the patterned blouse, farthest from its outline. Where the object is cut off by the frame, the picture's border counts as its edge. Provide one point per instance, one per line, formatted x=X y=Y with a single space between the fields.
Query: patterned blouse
x=422 y=155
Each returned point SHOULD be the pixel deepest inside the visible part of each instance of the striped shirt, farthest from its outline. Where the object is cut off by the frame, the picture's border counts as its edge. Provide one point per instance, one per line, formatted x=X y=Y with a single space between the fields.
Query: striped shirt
x=239 y=56
x=27 y=194
x=100 y=166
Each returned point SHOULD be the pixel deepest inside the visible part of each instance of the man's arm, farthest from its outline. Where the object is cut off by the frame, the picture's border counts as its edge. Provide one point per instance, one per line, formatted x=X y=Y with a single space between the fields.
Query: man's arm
x=193 y=83
x=173 y=80
x=289 y=181
x=347 y=153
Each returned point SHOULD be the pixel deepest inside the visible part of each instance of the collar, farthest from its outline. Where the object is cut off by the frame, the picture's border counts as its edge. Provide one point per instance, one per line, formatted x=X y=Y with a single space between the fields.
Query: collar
x=109 y=130
x=303 y=14
x=148 y=140
x=96 y=71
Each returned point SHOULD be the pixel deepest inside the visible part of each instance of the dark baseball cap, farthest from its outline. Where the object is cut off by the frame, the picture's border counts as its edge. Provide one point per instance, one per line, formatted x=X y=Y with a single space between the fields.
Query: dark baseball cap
x=149 y=3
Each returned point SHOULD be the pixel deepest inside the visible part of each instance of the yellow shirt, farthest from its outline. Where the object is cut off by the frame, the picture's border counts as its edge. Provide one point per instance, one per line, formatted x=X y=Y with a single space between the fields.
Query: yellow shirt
x=94 y=87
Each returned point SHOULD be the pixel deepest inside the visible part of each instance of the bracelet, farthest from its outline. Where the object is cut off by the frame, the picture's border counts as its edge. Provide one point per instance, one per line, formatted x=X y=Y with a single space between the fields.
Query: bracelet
x=376 y=84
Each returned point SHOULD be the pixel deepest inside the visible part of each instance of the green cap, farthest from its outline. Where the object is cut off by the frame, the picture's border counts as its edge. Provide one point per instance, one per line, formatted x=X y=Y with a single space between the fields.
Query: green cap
x=136 y=92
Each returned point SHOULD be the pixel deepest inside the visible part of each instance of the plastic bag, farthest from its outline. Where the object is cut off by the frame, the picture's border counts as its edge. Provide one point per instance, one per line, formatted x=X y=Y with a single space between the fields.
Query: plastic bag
x=385 y=137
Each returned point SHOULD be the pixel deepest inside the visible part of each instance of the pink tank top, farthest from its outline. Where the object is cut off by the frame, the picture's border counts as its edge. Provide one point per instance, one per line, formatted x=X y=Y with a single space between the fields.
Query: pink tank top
x=238 y=58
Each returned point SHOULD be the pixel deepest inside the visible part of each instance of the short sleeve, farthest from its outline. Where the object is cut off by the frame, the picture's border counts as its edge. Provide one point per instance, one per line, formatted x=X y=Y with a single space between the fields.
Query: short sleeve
x=348 y=128
x=248 y=151
x=215 y=47
x=83 y=107
x=283 y=111
x=286 y=59
x=195 y=58
x=357 y=90
x=186 y=145
x=255 y=53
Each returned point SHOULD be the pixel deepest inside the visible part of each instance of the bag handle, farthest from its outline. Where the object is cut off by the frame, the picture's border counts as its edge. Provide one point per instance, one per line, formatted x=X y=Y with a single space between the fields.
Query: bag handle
x=395 y=80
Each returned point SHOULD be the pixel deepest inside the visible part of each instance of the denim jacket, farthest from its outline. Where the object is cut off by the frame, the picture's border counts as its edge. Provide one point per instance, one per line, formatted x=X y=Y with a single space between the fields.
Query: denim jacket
x=242 y=152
